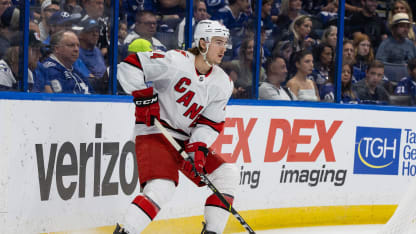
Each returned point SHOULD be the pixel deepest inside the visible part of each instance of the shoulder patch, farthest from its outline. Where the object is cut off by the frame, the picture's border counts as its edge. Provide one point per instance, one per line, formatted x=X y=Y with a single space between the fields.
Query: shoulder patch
x=48 y=64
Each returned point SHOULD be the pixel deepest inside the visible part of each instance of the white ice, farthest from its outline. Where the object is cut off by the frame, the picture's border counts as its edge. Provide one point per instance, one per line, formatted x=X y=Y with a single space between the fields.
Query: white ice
x=344 y=229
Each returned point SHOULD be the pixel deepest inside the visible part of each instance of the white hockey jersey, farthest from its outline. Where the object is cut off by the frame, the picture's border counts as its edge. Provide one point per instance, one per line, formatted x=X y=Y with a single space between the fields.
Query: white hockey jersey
x=192 y=105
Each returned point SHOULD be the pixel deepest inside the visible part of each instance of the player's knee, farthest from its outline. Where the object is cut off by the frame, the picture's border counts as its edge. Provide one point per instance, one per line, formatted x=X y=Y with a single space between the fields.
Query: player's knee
x=159 y=190
x=225 y=178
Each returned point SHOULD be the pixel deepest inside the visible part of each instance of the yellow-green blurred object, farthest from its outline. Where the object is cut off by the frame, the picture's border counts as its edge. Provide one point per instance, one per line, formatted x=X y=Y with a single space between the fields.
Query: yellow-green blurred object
x=140 y=45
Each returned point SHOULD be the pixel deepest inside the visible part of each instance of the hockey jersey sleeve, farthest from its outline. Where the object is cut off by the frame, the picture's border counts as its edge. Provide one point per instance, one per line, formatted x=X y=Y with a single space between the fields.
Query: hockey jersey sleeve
x=137 y=69
x=211 y=122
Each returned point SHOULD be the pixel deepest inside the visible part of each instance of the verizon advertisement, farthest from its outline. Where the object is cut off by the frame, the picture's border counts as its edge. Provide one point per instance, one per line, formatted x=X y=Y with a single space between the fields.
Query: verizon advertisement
x=71 y=165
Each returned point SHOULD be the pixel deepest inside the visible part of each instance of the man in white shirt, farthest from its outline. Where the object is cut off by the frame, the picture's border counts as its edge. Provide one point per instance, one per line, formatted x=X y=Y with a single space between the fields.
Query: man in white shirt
x=272 y=89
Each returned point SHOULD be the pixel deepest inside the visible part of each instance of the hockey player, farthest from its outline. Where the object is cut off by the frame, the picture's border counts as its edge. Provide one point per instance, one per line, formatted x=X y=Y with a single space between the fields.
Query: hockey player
x=188 y=95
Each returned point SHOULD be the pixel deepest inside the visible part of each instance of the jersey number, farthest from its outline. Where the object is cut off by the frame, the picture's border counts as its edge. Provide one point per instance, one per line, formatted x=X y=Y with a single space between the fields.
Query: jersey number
x=157 y=55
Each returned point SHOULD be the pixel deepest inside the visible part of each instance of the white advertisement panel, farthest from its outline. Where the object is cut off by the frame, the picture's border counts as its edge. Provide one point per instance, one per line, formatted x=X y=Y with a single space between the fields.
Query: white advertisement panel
x=71 y=165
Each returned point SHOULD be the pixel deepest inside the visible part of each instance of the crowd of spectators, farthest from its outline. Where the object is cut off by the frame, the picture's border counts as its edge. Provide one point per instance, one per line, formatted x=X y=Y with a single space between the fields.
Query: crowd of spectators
x=69 y=45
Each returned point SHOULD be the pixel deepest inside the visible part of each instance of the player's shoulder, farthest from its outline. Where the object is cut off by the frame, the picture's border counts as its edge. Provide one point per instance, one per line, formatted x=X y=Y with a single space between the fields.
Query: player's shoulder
x=181 y=55
x=221 y=78
x=172 y=57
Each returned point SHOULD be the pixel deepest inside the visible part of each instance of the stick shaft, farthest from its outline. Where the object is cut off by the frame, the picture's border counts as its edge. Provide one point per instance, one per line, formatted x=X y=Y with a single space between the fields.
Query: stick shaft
x=204 y=178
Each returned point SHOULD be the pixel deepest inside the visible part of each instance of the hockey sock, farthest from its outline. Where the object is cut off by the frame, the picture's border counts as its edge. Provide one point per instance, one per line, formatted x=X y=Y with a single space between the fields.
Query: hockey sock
x=225 y=179
x=144 y=208
x=216 y=213
x=140 y=213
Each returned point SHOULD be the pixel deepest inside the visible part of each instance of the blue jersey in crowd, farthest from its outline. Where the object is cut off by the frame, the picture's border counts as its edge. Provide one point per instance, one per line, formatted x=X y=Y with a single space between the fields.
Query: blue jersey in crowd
x=235 y=25
x=63 y=80
x=406 y=86
x=94 y=61
x=39 y=78
x=327 y=92
x=214 y=5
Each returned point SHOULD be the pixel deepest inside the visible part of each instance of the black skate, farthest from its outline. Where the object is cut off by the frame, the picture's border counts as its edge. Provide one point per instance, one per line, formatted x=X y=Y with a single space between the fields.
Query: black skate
x=204 y=231
x=119 y=230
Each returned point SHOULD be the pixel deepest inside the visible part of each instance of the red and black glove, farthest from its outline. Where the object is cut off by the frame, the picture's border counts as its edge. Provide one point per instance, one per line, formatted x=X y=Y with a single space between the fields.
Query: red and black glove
x=147 y=106
x=198 y=151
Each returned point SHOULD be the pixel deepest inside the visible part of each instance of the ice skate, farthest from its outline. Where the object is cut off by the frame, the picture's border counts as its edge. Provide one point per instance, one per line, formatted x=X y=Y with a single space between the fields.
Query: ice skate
x=204 y=231
x=119 y=230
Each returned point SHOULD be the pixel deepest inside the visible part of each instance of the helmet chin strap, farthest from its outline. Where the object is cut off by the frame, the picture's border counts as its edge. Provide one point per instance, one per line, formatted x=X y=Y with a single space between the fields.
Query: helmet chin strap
x=204 y=55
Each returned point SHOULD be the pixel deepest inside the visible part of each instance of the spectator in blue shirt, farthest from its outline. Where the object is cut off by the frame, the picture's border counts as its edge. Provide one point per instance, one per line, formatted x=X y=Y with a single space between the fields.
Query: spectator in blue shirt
x=407 y=85
x=90 y=54
x=62 y=76
x=95 y=10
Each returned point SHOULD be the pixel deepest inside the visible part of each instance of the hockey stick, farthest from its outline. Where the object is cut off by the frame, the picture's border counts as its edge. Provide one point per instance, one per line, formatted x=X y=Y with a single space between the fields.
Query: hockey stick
x=204 y=178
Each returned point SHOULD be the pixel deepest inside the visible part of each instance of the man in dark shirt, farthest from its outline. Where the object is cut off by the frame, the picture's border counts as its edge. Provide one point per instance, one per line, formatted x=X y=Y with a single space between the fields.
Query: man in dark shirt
x=370 y=89
x=367 y=21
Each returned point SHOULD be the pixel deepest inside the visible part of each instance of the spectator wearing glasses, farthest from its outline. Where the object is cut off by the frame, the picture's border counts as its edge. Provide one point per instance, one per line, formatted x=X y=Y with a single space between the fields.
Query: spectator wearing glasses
x=62 y=76
x=47 y=9
x=145 y=27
